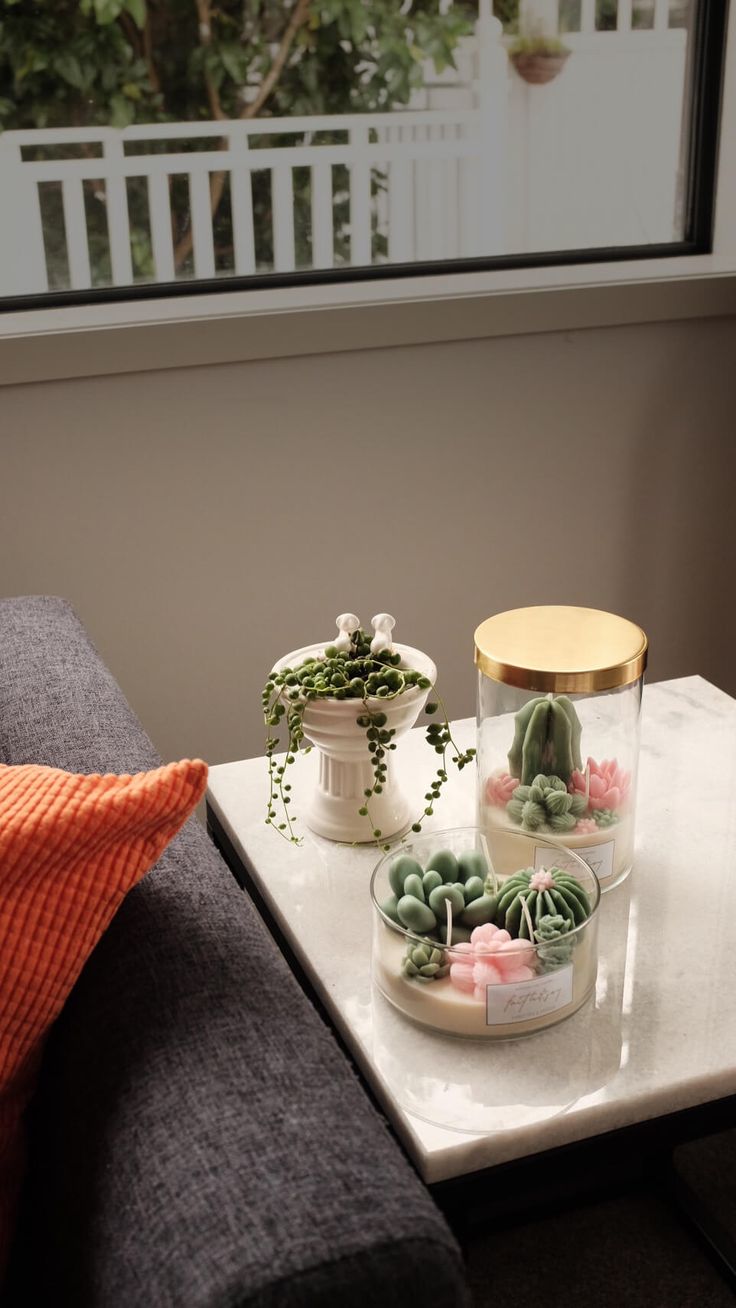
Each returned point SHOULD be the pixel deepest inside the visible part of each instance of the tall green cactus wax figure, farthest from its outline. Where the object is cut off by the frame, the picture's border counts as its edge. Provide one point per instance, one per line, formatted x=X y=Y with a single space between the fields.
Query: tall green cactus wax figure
x=546 y=740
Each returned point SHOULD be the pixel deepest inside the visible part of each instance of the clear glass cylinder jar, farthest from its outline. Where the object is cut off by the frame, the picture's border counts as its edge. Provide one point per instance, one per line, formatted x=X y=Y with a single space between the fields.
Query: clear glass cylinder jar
x=559 y=707
x=523 y=942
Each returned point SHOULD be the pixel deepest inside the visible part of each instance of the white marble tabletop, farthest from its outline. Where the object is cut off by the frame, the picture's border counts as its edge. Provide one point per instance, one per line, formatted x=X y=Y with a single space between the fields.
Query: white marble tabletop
x=660 y=1034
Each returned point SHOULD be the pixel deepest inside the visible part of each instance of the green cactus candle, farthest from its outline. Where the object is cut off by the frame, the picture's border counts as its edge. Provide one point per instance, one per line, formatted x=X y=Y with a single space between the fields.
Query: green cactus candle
x=544 y=892
x=546 y=740
x=545 y=803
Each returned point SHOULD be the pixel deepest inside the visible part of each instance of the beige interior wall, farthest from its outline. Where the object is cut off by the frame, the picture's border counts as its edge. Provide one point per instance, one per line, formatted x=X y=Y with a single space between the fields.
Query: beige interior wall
x=203 y=522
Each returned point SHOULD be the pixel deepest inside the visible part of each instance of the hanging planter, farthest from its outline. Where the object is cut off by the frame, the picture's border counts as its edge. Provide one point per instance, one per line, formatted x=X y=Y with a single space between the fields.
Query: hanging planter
x=538 y=60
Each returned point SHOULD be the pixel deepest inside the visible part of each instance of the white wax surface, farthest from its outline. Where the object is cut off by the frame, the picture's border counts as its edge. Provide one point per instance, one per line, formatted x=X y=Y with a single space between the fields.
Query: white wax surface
x=621 y=833
x=442 y=1006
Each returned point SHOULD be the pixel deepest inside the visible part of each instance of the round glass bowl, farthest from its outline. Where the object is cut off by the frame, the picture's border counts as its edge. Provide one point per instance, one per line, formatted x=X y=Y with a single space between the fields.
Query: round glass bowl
x=490 y=982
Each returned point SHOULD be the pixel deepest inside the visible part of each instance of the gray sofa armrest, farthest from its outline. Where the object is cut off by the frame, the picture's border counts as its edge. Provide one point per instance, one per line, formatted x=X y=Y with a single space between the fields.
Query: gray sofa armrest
x=197 y=1138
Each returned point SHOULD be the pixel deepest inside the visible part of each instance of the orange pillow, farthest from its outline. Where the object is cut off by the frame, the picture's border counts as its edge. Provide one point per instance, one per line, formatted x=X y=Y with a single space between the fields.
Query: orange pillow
x=71 y=847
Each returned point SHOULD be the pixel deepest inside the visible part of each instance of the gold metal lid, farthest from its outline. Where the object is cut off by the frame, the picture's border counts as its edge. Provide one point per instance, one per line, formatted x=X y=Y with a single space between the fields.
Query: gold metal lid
x=562 y=649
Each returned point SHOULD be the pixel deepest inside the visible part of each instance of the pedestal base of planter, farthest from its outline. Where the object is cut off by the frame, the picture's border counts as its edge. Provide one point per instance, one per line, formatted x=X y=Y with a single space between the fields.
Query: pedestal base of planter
x=333 y=810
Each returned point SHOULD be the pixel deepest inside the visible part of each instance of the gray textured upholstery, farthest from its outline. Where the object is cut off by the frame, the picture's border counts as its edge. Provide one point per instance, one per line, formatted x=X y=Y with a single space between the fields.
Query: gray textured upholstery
x=197 y=1138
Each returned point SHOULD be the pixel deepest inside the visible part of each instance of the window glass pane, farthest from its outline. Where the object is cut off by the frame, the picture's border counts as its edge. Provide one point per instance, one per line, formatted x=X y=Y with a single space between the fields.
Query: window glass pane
x=187 y=140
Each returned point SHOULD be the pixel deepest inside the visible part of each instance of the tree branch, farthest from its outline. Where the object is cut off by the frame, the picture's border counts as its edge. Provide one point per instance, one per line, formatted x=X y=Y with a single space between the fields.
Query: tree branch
x=204 y=14
x=270 y=81
x=151 y=68
x=297 y=20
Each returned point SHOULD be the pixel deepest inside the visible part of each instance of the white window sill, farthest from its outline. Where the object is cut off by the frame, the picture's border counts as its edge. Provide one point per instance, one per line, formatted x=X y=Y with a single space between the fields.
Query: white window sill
x=233 y=327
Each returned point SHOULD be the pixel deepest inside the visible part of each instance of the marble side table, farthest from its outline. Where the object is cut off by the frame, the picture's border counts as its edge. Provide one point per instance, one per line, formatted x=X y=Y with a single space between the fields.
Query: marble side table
x=658 y=1037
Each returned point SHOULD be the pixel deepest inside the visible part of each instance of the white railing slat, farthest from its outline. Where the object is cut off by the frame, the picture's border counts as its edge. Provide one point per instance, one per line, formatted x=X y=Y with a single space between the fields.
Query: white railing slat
x=118 y=224
x=159 y=206
x=323 y=237
x=241 y=206
x=661 y=15
x=587 y=16
x=437 y=206
x=401 y=216
x=360 y=199
x=451 y=183
x=23 y=269
x=623 y=16
x=282 y=205
x=75 y=223
x=471 y=227
x=422 y=175
x=200 y=210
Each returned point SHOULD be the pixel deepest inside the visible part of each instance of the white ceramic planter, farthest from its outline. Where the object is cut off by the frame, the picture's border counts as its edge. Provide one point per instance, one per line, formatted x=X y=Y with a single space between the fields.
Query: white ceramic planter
x=345 y=770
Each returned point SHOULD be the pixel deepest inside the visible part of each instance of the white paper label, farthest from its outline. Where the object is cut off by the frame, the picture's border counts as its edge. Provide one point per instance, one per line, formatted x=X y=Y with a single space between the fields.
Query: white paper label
x=598 y=857
x=523 y=1001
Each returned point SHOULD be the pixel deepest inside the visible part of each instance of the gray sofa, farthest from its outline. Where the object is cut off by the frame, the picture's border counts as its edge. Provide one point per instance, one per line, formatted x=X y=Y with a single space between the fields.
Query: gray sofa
x=197 y=1137
x=198 y=1140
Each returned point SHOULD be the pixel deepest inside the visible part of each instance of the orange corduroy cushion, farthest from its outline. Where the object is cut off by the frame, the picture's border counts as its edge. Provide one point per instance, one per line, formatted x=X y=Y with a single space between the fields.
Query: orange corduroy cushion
x=71 y=847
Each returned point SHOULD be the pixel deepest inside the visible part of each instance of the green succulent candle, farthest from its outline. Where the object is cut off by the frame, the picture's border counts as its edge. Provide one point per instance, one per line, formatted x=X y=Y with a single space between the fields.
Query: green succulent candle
x=554 y=944
x=425 y=962
x=605 y=817
x=546 y=803
x=420 y=897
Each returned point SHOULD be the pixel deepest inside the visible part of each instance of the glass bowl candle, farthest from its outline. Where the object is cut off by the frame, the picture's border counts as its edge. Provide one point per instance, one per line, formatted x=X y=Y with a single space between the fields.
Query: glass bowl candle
x=473 y=941
x=559 y=704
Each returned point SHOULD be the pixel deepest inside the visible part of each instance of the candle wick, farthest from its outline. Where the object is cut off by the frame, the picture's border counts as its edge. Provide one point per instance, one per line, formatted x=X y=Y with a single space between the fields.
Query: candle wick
x=528 y=916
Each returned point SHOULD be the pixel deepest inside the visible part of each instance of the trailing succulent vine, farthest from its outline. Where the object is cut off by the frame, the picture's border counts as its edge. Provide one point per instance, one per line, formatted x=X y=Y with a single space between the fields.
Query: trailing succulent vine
x=353 y=672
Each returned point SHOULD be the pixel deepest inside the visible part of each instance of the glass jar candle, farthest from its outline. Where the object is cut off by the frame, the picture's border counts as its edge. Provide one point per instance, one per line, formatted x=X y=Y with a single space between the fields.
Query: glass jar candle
x=469 y=940
x=559 y=706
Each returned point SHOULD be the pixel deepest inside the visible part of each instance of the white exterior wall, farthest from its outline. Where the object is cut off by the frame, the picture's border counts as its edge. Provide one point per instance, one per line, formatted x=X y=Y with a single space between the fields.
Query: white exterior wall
x=592 y=158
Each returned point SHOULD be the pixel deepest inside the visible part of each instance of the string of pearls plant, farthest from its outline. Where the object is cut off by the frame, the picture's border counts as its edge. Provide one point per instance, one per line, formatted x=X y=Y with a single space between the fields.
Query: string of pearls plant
x=369 y=671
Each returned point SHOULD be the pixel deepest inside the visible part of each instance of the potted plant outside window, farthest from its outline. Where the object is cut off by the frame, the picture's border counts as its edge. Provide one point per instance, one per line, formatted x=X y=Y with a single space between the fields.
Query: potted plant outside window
x=538 y=59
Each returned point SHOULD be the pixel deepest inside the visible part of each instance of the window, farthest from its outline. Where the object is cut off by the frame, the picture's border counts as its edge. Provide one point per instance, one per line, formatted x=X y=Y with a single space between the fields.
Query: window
x=178 y=145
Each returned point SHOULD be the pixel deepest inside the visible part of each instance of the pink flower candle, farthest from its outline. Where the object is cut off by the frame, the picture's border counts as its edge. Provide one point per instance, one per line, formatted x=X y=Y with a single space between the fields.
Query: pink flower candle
x=605 y=785
x=585 y=826
x=491 y=957
x=500 y=789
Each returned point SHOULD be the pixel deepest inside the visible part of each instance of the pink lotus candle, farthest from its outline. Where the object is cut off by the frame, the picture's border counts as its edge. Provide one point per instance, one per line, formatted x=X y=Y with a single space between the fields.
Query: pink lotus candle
x=491 y=957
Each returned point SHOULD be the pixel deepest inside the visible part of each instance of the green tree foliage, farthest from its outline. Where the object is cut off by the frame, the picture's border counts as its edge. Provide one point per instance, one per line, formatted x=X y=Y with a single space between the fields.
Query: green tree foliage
x=116 y=62
x=78 y=62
